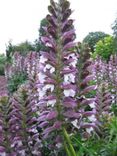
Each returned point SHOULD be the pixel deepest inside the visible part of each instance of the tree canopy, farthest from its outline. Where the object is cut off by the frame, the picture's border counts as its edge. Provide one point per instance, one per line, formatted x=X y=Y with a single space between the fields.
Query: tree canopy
x=93 y=37
x=2 y=63
x=114 y=27
x=23 y=48
x=104 y=48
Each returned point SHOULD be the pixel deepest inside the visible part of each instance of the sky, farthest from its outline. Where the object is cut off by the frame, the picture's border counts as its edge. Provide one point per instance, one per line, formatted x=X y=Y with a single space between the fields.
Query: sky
x=20 y=19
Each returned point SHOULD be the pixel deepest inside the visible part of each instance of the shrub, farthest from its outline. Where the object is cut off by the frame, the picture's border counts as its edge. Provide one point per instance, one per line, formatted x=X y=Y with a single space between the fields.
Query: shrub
x=104 y=48
x=2 y=64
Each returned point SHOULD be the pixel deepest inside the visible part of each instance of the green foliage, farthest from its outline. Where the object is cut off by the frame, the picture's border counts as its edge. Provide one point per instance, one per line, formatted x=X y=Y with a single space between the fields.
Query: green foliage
x=2 y=63
x=84 y=147
x=110 y=146
x=9 y=52
x=103 y=145
x=114 y=109
x=104 y=48
x=43 y=23
x=23 y=48
x=93 y=37
x=39 y=46
x=16 y=80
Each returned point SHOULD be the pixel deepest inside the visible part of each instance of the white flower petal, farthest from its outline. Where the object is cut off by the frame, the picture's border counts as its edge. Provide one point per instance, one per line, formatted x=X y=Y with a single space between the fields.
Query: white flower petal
x=48 y=86
x=92 y=105
x=41 y=93
x=75 y=123
x=69 y=78
x=92 y=118
x=69 y=92
x=43 y=59
x=51 y=102
x=42 y=77
x=2 y=154
x=89 y=130
x=49 y=67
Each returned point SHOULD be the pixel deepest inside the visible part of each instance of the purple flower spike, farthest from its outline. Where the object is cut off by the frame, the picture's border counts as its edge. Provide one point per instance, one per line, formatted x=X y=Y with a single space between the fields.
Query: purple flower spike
x=84 y=88
x=57 y=68
x=23 y=123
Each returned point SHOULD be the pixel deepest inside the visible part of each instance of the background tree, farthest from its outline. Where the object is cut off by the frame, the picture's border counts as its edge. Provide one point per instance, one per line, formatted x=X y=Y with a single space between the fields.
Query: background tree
x=114 y=27
x=2 y=63
x=9 y=51
x=104 y=48
x=44 y=23
x=23 y=48
x=93 y=37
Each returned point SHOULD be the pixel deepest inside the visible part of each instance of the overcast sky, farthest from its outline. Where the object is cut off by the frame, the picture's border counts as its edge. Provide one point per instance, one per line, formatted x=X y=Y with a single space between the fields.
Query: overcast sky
x=20 y=19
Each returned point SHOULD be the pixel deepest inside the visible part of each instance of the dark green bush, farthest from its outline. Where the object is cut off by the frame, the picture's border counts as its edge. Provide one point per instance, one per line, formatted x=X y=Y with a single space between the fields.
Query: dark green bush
x=2 y=63
x=16 y=80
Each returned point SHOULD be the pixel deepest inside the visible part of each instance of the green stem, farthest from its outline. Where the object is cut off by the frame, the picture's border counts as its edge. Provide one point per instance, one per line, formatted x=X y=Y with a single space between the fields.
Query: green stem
x=67 y=150
x=67 y=139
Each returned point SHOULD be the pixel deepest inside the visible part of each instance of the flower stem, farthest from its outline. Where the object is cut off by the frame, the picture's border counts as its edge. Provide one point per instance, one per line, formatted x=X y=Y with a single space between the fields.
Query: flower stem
x=67 y=139
x=67 y=150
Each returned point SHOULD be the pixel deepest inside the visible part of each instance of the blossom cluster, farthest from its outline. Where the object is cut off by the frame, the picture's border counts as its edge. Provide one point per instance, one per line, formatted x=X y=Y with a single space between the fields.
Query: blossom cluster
x=64 y=76
x=65 y=91
x=18 y=125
